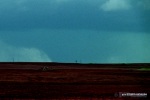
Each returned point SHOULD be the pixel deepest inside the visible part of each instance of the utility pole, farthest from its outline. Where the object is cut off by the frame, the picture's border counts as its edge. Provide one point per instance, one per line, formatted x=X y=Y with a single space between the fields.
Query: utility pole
x=76 y=61
x=13 y=59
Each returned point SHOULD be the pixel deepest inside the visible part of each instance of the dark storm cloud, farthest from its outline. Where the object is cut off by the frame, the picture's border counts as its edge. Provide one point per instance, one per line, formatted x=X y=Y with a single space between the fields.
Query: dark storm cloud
x=102 y=31
x=71 y=14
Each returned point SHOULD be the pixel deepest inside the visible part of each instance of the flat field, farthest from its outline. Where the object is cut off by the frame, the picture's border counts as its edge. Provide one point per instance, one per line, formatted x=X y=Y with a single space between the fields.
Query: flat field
x=72 y=81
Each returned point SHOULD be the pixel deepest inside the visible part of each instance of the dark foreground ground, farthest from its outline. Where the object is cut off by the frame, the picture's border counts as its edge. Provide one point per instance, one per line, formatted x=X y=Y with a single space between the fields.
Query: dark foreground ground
x=73 y=81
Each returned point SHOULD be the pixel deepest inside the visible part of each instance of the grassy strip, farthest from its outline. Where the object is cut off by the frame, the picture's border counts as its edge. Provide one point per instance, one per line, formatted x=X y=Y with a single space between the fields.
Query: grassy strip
x=144 y=69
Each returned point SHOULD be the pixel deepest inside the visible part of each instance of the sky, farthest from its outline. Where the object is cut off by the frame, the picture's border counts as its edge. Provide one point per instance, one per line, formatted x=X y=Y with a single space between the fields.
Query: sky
x=86 y=31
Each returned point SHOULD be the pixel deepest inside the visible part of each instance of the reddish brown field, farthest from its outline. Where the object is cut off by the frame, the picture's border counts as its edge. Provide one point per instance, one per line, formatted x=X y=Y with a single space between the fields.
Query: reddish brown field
x=28 y=81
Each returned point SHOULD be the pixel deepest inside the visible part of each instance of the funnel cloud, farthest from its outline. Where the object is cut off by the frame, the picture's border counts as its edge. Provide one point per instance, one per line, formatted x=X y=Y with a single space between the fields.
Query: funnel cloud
x=10 y=53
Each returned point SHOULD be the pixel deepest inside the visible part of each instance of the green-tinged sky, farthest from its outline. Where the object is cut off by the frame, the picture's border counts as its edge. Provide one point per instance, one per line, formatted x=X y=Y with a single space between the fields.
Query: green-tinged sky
x=87 y=31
